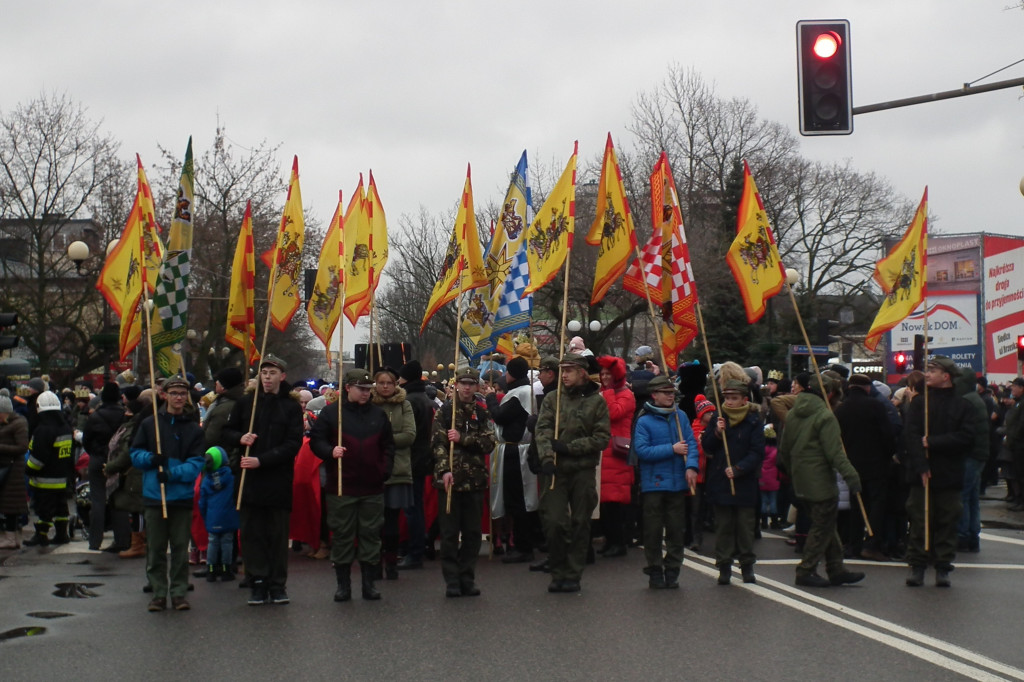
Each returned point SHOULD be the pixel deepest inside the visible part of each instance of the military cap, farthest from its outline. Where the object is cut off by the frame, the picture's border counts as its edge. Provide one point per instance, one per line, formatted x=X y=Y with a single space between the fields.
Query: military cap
x=549 y=362
x=574 y=360
x=945 y=364
x=660 y=383
x=732 y=386
x=467 y=374
x=358 y=377
x=176 y=382
x=274 y=361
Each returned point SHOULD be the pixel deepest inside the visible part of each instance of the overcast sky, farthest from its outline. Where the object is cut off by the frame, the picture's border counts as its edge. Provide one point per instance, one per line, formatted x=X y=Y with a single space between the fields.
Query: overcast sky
x=416 y=89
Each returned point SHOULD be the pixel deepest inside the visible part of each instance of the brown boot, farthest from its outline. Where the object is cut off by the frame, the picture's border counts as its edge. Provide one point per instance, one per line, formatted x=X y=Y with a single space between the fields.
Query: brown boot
x=137 y=548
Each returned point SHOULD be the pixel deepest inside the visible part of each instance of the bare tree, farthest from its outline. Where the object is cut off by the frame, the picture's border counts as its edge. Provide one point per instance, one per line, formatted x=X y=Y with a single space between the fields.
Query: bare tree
x=56 y=167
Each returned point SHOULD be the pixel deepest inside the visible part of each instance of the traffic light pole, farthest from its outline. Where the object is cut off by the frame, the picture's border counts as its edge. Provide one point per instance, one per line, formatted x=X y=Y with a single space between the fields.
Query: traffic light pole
x=935 y=97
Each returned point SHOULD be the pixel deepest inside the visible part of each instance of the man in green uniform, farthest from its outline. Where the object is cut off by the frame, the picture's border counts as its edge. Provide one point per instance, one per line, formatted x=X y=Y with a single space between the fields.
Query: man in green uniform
x=570 y=453
x=460 y=471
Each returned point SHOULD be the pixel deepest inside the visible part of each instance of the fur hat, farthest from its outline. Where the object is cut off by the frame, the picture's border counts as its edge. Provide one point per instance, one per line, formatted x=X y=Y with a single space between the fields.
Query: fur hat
x=131 y=392
x=111 y=392
x=411 y=371
x=229 y=377
x=616 y=366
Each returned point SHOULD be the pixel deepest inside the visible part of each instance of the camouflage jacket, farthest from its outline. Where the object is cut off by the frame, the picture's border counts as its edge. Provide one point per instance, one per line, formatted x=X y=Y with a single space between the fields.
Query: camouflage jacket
x=470 y=453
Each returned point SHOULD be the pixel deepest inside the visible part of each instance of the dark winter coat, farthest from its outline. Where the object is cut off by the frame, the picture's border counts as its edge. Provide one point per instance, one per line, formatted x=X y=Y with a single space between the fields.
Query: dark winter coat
x=661 y=469
x=99 y=428
x=950 y=437
x=746 y=450
x=182 y=442
x=423 y=412
x=369 y=447
x=279 y=429
x=866 y=434
x=128 y=496
x=217 y=501
x=13 y=446
x=469 y=456
x=50 y=463
x=217 y=417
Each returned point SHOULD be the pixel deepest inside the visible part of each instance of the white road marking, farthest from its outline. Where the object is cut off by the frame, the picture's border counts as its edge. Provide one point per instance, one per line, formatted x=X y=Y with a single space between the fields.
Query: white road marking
x=931 y=655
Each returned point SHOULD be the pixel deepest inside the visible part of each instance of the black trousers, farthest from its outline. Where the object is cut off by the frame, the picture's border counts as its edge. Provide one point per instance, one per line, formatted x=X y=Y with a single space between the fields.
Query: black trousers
x=264 y=535
x=524 y=523
x=458 y=561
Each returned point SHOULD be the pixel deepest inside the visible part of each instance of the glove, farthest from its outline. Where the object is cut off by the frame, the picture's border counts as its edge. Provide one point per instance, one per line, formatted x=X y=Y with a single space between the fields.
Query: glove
x=159 y=461
x=559 y=447
x=161 y=476
x=855 y=488
x=548 y=468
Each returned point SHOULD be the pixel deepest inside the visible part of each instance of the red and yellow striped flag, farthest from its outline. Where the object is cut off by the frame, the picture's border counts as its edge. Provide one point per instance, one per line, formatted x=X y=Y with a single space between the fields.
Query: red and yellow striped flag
x=241 y=327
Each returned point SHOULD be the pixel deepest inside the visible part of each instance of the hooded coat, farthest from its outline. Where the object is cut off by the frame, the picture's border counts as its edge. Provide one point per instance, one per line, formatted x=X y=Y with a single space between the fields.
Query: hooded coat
x=403 y=428
x=811 y=450
x=616 y=473
x=13 y=445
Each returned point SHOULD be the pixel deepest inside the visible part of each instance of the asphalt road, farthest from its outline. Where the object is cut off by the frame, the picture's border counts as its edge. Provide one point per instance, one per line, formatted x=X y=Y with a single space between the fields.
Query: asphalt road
x=614 y=629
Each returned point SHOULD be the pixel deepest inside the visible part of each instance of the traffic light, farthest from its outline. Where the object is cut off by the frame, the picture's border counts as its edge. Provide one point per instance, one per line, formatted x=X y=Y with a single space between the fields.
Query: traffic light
x=901 y=361
x=1020 y=348
x=825 y=85
x=919 y=351
x=8 y=320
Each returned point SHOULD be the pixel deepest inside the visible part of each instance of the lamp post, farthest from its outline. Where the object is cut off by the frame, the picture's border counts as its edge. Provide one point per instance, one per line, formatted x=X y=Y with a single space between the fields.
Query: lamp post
x=79 y=253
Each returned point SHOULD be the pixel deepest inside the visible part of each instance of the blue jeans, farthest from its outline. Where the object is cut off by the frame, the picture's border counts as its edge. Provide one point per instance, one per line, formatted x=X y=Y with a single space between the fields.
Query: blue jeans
x=769 y=502
x=970 y=518
x=220 y=549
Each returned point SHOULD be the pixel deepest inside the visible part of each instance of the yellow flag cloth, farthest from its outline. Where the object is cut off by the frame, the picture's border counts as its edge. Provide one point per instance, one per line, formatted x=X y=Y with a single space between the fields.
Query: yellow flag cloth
x=612 y=229
x=324 y=309
x=286 y=274
x=241 y=327
x=549 y=237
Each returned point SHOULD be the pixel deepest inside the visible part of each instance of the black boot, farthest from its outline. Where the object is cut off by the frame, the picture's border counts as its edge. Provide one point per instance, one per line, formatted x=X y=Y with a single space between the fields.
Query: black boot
x=656 y=578
x=942 y=577
x=61 y=536
x=748 y=573
x=391 y=565
x=226 y=575
x=916 y=577
x=724 y=573
x=344 y=575
x=368 y=571
x=41 y=538
x=672 y=578
x=212 y=573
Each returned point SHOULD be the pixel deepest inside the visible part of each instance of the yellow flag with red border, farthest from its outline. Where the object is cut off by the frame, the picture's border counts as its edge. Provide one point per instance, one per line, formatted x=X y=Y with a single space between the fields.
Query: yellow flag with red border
x=903 y=276
x=612 y=228
x=753 y=256
x=285 y=259
x=324 y=308
x=241 y=327
x=462 y=268
x=549 y=237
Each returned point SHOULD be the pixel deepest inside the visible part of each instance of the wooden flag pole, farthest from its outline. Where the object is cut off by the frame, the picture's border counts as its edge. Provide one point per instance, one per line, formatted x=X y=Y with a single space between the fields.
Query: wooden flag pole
x=928 y=480
x=147 y=312
x=342 y=391
x=455 y=401
x=654 y=322
x=561 y=347
x=263 y=352
x=714 y=388
x=824 y=395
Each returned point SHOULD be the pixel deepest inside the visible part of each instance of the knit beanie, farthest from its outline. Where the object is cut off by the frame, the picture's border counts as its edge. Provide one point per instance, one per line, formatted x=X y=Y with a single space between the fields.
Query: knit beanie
x=5 y=405
x=229 y=377
x=517 y=367
x=216 y=457
x=111 y=392
x=702 y=405
x=131 y=392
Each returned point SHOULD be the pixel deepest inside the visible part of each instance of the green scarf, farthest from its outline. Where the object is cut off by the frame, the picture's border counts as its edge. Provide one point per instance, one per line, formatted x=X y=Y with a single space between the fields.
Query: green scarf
x=736 y=414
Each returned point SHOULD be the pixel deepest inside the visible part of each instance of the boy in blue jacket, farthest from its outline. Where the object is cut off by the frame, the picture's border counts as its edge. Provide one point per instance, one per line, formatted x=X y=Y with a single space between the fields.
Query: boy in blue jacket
x=169 y=474
x=217 y=505
x=669 y=459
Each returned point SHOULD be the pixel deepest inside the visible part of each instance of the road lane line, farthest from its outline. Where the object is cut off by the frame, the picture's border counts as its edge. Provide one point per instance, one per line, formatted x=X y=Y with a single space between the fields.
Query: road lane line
x=931 y=655
x=1000 y=538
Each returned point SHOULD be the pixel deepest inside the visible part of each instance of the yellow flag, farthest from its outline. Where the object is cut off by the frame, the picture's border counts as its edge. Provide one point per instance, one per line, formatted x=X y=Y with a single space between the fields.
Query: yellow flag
x=378 y=235
x=549 y=237
x=753 y=256
x=135 y=259
x=462 y=268
x=241 y=326
x=358 y=260
x=903 y=275
x=323 y=310
x=285 y=259
x=612 y=229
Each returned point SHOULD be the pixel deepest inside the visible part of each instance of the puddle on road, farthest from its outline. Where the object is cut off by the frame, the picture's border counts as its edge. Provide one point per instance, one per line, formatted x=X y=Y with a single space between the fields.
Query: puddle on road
x=48 y=615
x=21 y=632
x=76 y=590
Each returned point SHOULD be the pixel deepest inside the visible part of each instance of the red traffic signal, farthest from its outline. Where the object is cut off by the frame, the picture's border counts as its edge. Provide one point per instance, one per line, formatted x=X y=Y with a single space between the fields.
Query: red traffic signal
x=1020 y=348
x=900 y=360
x=825 y=86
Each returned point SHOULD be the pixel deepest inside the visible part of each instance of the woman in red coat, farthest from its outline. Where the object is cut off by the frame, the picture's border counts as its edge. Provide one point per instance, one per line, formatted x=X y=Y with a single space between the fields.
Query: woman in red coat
x=616 y=473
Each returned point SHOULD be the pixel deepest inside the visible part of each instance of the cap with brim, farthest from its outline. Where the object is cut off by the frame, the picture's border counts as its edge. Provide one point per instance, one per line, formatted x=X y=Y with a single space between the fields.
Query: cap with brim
x=574 y=360
x=358 y=377
x=860 y=380
x=549 y=362
x=660 y=383
x=734 y=386
x=945 y=364
x=176 y=382
x=274 y=361
x=467 y=375
x=1017 y=382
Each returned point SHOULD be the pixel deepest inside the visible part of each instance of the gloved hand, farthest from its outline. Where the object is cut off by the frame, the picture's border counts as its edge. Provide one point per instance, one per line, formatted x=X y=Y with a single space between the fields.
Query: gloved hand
x=548 y=468
x=159 y=460
x=161 y=476
x=855 y=487
x=559 y=447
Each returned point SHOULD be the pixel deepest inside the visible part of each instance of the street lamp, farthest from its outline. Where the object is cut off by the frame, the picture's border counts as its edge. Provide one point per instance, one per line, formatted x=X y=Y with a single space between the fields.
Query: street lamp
x=78 y=252
x=574 y=326
x=595 y=326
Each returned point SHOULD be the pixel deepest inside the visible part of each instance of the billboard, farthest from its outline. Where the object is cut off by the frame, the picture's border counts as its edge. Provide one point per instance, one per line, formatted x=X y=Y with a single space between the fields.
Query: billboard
x=1004 y=305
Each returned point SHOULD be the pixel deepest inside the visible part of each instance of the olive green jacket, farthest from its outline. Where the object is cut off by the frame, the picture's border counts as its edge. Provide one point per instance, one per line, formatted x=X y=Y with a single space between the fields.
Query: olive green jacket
x=811 y=451
x=403 y=426
x=583 y=425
